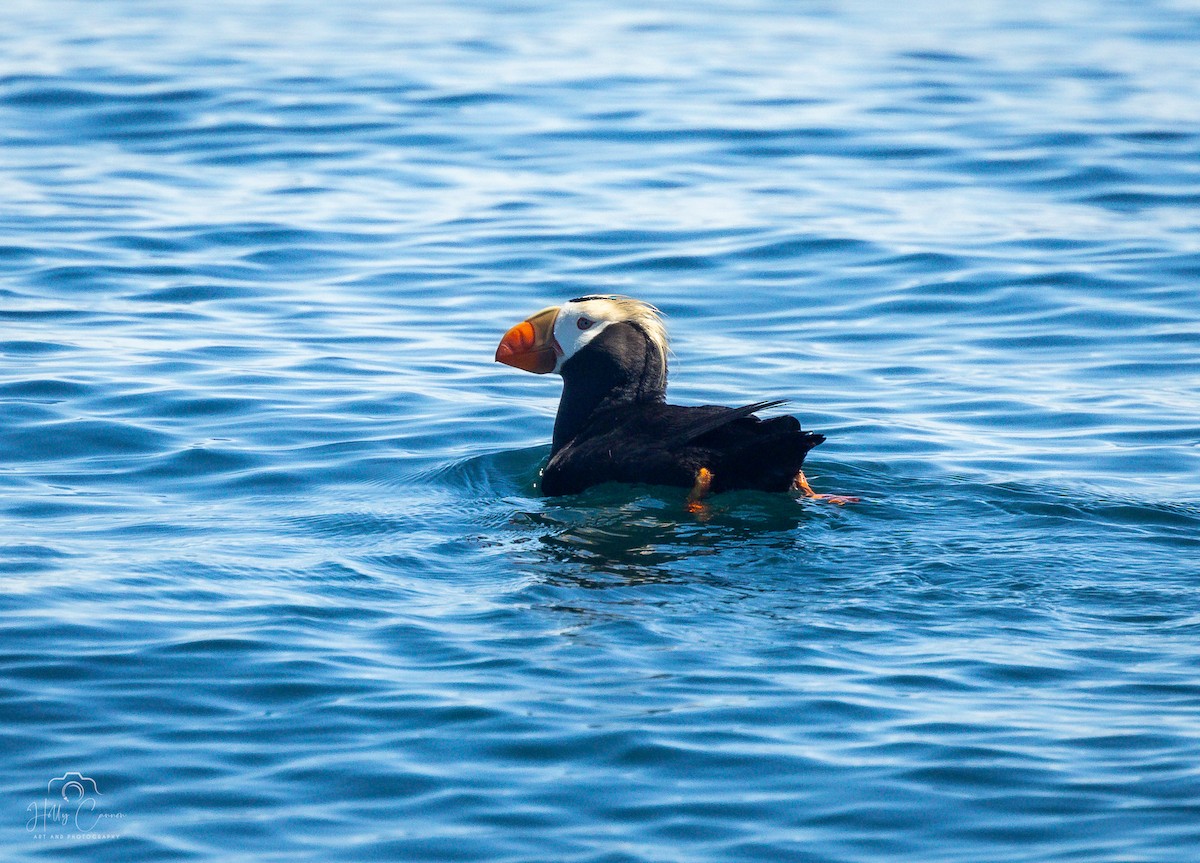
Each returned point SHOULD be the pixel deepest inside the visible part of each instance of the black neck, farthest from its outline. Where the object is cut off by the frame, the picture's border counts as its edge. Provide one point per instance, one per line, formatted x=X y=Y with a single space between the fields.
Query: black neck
x=619 y=366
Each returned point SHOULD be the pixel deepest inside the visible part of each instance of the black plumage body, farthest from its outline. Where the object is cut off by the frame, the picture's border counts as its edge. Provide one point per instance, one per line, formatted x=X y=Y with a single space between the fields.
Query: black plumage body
x=614 y=425
x=658 y=443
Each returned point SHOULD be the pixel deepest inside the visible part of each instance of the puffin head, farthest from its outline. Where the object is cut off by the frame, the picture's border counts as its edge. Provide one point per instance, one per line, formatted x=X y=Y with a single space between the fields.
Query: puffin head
x=545 y=342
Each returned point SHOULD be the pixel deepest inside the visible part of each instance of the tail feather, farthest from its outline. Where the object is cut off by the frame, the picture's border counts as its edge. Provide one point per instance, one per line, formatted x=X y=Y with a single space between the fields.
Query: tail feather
x=770 y=459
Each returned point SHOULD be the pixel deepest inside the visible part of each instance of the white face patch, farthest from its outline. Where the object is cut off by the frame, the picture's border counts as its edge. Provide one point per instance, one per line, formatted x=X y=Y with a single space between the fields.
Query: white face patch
x=580 y=321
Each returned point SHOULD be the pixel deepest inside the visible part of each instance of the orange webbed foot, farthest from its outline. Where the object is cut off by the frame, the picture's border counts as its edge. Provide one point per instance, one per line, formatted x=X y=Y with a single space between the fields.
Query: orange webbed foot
x=800 y=483
x=695 y=498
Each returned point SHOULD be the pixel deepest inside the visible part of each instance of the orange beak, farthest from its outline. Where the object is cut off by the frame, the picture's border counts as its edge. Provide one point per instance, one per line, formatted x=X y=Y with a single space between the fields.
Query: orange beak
x=530 y=345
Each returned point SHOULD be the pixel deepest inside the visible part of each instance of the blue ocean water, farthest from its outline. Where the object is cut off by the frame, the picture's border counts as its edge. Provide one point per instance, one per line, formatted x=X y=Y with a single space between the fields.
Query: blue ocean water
x=277 y=581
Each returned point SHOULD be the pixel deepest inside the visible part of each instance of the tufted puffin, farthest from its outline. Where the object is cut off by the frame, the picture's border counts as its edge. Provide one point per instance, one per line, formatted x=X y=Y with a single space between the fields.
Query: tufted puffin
x=614 y=423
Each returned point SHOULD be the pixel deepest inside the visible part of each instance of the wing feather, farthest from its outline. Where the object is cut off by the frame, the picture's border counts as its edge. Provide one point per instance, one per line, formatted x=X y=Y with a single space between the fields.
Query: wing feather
x=711 y=422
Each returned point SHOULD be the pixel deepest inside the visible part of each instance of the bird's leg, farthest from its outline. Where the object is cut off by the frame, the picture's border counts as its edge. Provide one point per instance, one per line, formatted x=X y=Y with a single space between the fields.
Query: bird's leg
x=800 y=483
x=695 y=498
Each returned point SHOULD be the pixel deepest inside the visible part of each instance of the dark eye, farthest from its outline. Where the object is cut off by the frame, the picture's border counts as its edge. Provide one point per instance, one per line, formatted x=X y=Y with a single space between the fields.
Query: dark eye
x=584 y=323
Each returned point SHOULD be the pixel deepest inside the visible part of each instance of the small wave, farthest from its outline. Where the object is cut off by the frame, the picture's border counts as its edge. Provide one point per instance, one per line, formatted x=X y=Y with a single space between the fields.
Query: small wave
x=492 y=475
